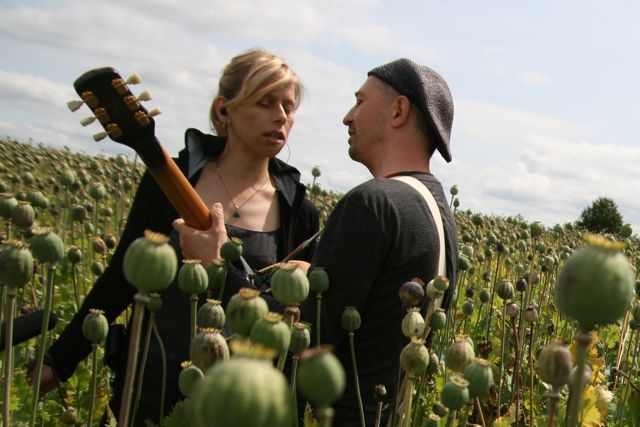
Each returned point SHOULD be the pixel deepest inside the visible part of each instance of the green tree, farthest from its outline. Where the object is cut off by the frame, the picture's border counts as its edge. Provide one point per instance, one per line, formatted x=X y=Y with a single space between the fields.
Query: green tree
x=601 y=217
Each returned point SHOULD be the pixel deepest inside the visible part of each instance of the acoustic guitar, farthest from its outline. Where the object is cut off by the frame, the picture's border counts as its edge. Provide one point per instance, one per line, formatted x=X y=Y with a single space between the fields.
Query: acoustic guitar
x=127 y=122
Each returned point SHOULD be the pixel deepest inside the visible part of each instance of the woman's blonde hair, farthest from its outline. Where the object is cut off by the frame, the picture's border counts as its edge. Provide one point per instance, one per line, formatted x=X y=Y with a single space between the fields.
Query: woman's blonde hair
x=248 y=78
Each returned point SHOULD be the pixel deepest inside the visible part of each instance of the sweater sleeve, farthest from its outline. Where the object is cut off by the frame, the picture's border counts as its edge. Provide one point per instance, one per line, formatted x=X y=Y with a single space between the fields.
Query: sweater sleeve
x=111 y=292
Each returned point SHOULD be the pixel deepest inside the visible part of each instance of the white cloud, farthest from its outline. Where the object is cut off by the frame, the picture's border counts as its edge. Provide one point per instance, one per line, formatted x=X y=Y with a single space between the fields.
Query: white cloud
x=534 y=79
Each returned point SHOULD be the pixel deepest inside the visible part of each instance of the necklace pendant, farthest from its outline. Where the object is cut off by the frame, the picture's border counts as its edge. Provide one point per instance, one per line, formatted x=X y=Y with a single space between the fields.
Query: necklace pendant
x=236 y=213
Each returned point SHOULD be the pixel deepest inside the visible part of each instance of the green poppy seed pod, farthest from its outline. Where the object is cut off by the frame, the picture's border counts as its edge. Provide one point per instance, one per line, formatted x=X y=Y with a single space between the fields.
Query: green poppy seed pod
x=455 y=393
x=244 y=309
x=97 y=191
x=97 y=268
x=438 y=319
x=74 y=255
x=23 y=215
x=241 y=392
x=414 y=357
x=150 y=263
x=521 y=285
x=318 y=280
x=531 y=314
x=154 y=305
x=467 y=250
x=315 y=171
x=7 y=203
x=99 y=246
x=231 y=250
x=110 y=241
x=46 y=246
x=380 y=392
x=289 y=284
x=459 y=354
x=210 y=315
x=456 y=202
x=217 y=272
x=477 y=220
x=27 y=178
x=190 y=376
x=300 y=338
x=485 y=295
x=121 y=160
x=79 y=213
x=463 y=263
x=467 y=308
x=432 y=420
x=37 y=199
x=596 y=285
x=192 y=277
x=440 y=410
x=207 y=348
x=66 y=178
x=271 y=332
x=635 y=312
x=480 y=377
x=536 y=229
x=412 y=292
x=469 y=292
x=321 y=378
x=16 y=263
x=95 y=326
x=512 y=309
x=441 y=283
x=350 y=319
x=453 y=190
x=505 y=290
x=554 y=364
x=488 y=254
x=625 y=231
x=492 y=240
x=413 y=323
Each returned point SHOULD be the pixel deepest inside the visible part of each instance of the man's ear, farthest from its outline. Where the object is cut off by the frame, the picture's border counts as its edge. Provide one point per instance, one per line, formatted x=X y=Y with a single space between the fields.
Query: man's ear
x=400 y=111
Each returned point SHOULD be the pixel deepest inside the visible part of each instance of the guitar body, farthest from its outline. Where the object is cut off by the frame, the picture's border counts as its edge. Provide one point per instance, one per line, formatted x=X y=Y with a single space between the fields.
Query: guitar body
x=126 y=121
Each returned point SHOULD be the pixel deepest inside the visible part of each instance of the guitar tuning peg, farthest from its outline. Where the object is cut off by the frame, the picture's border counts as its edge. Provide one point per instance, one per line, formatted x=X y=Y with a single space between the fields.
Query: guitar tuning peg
x=144 y=96
x=134 y=79
x=154 y=112
x=113 y=130
x=87 y=121
x=74 y=105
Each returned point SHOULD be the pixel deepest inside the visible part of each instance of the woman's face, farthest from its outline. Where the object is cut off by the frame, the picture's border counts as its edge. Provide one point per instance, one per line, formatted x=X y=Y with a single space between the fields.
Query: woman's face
x=262 y=128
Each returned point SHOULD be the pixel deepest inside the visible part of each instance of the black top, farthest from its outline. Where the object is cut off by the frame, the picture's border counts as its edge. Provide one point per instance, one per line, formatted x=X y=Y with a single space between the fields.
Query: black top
x=380 y=235
x=113 y=294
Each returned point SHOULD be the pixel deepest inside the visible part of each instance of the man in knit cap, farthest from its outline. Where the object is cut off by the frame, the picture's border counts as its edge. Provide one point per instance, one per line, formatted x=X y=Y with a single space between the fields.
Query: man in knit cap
x=383 y=233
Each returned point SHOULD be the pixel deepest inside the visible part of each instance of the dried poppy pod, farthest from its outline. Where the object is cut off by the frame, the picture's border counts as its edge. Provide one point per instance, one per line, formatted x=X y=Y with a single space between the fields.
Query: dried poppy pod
x=554 y=363
x=318 y=280
x=414 y=357
x=455 y=393
x=211 y=315
x=150 y=263
x=95 y=326
x=412 y=292
x=192 y=277
x=46 y=246
x=531 y=314
x=207 y=348
x=16 y=263
x=271 y=332
x=99 y=246
x=413 y=323
x=74 y=255
x=321 y=378
x=244 y=309
x=231 y=250
x=190 y=376
x=289 y=284
x=596 y=285
x=240 y=392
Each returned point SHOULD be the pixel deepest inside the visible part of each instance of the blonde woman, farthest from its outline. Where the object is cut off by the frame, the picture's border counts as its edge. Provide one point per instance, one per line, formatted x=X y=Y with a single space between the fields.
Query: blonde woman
x=236 y=173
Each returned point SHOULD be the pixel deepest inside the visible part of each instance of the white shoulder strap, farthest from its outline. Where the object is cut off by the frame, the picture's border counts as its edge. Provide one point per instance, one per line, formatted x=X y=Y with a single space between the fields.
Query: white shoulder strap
x=433 y=207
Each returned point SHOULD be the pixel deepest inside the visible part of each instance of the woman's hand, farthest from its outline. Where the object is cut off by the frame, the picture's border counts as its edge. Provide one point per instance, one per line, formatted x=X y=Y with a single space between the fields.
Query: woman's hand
x=203 y=244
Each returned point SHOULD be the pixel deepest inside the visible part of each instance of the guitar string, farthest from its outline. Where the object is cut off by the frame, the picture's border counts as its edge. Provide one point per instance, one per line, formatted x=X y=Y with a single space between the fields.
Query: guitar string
x=237 y=207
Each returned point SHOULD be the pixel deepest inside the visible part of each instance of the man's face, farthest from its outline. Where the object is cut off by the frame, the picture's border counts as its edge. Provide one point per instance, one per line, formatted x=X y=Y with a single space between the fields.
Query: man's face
x=365 y=121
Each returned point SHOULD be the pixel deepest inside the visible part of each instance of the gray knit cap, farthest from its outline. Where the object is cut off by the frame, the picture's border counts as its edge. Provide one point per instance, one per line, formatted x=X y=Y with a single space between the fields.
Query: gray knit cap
x=428 y=91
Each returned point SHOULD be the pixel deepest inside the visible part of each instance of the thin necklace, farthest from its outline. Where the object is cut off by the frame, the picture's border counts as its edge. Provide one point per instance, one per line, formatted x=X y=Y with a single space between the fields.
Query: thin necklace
x=236 y=212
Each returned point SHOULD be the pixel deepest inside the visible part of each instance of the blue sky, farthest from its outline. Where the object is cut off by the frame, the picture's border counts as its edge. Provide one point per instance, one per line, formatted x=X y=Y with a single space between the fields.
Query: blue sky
x=546 y=93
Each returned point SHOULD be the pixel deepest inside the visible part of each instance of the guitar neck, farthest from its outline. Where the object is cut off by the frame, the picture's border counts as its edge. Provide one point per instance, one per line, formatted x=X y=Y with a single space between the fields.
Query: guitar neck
x=176 y=186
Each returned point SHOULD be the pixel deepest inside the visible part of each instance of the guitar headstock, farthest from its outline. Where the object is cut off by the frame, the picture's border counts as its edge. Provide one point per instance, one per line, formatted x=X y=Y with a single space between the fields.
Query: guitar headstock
x=120 y=113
